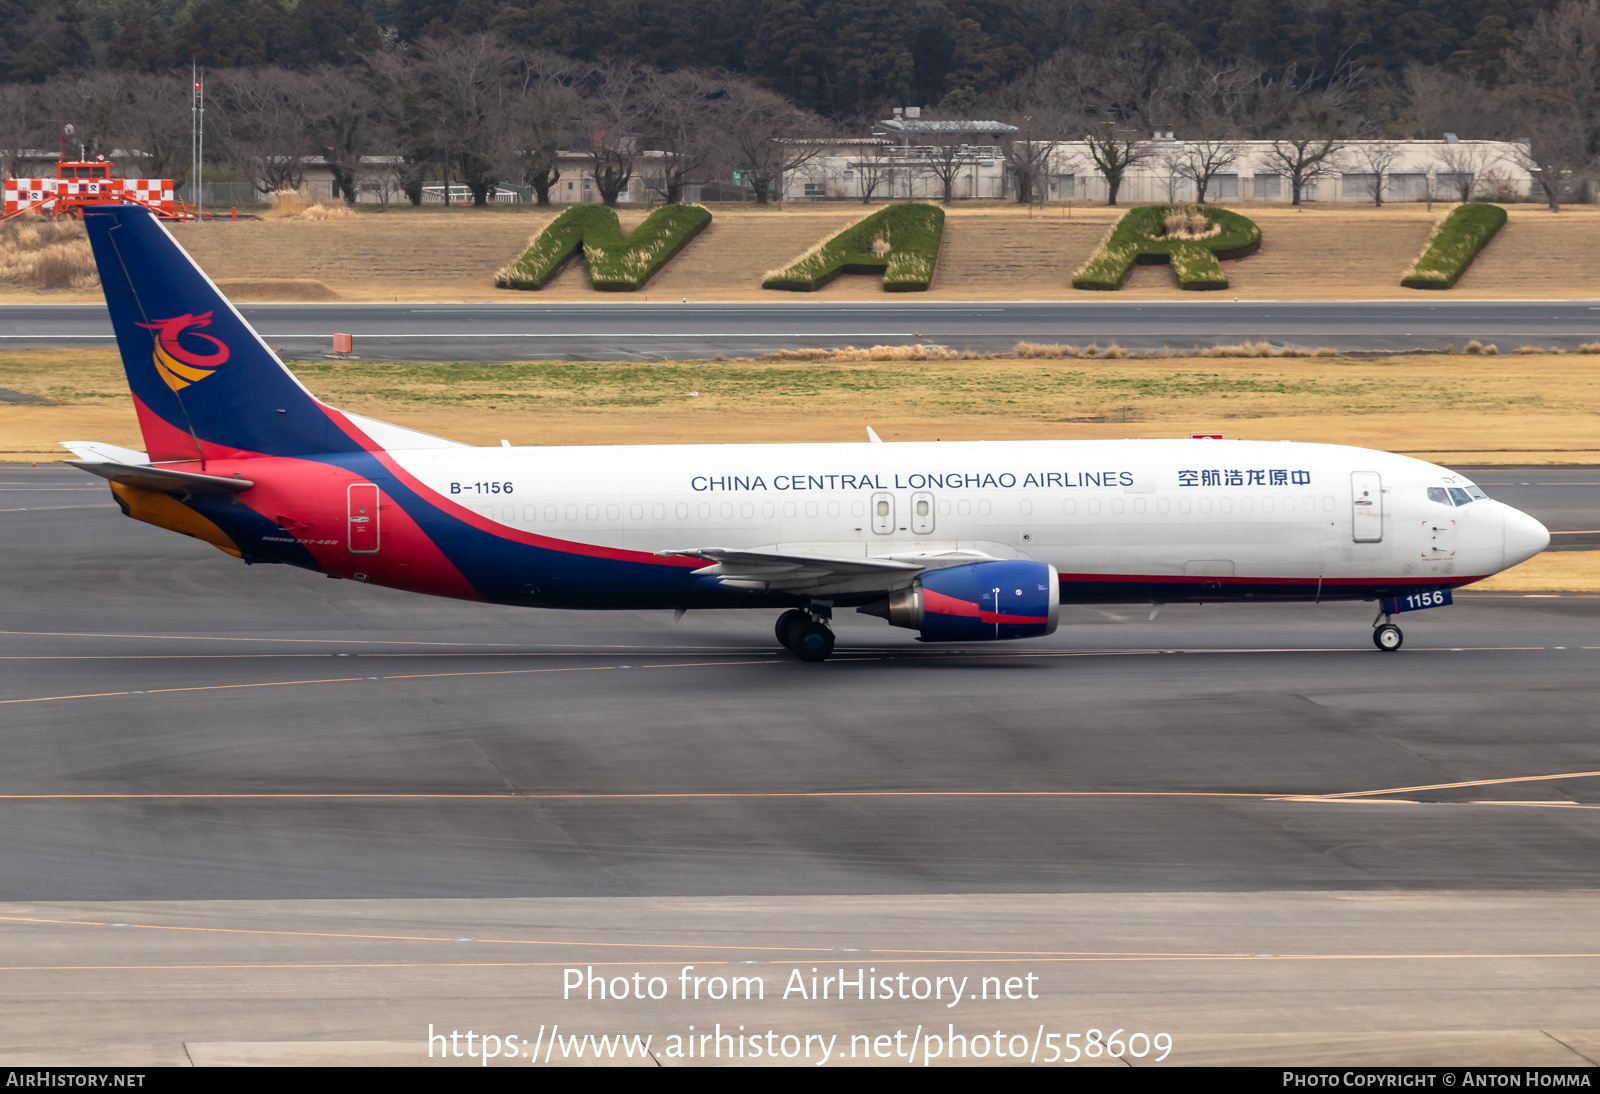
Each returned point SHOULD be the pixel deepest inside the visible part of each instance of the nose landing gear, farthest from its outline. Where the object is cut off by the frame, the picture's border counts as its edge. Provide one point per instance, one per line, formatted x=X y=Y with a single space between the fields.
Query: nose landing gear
x=1386 y=636
x=805 y=634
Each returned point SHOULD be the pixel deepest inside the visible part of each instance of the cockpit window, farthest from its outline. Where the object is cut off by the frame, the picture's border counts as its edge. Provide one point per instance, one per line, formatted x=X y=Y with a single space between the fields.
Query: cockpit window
x=1477 y=493
x=1461 y=496
x=1439 y=494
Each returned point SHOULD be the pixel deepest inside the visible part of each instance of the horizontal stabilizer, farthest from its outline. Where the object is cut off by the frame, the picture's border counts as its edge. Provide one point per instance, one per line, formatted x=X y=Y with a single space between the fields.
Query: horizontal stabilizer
x=163 y=481
x=100 y=452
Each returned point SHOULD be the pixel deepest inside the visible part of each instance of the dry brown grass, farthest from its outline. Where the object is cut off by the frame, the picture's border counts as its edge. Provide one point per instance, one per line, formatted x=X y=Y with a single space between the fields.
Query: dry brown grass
x=48 y=255
x=1553 y=571
x=1524 y=409
x=869 y=353
x=1035 y=351
x=319 y=212
x=988 y=253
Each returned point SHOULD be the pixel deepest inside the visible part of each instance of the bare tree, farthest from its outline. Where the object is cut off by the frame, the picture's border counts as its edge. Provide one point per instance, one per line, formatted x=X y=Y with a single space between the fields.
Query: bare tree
x=260 y=117
x=23 y=125
x=1170 y=161
x=1029 y=151
x=1554 y=153
x=948 y=153
x=342 y=117
x=1115 y=152
x=1458 y=169
x=1303 y=159
x=465 y=85
x=765 y=137
x=543 y=109
x=874 y=170
x=1556 y=66
x=403 y=126
x=612 y=115
x=1203 y=160
x=680 y=124
x=1372 y=162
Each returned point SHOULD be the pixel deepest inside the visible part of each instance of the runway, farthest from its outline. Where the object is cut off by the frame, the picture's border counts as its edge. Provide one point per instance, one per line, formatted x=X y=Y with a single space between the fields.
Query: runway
x=180 y=728
x=608 y=331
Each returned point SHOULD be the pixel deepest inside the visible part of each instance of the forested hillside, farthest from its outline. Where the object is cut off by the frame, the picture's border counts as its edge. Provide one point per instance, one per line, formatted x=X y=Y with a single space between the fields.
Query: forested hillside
x=838 y=57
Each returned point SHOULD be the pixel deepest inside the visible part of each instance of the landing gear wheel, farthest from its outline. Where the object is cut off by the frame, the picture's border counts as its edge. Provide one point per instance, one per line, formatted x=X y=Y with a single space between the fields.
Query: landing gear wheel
x=1387 y=637
x=811 y=641
x=786 y=624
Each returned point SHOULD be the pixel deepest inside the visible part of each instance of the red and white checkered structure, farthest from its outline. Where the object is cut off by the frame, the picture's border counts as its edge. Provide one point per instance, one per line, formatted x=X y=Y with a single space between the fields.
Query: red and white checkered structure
x=53 y=197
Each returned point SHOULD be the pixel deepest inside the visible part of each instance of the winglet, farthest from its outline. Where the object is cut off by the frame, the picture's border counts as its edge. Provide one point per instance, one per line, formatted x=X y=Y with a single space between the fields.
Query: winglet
x=872 y=435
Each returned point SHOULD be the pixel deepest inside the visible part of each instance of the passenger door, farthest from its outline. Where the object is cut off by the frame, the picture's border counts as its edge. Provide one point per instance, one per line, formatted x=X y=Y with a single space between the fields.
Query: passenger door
x=1366 y=507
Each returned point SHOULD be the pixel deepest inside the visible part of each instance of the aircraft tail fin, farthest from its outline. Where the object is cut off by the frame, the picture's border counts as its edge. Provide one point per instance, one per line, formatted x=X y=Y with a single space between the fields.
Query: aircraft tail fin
x=204 y=383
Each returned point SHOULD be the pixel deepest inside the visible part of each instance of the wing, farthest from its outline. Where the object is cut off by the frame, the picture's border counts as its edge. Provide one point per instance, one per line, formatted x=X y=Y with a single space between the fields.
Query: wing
x=819 y=575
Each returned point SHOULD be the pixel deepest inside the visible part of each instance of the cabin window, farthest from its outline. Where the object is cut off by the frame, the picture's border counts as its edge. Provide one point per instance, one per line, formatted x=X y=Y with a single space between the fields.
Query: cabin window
x=833 y=508
x=747 y=510
x=1069 y=507
x=789 y=509
x=1138 y=505
x=530 y=513
x=572 y=513
x=768 y=510
x=1116 y=505
x=682 y=511
x=704 y=510
x=727 y=510
x=658 y=512
x=613 y=512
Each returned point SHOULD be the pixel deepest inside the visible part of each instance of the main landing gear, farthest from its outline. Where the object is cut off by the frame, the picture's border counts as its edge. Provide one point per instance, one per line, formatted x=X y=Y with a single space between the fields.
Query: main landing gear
x=805 y=634
x=1386 y=636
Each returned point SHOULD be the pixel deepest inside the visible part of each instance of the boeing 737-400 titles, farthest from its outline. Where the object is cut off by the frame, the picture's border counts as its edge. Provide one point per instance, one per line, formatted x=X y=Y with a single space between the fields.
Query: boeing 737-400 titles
x=960 y=542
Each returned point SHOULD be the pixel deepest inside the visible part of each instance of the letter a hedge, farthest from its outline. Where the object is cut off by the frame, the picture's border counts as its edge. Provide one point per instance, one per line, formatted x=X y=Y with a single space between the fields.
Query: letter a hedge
x=1143 y=237
x=900 y=242
x=617 y=263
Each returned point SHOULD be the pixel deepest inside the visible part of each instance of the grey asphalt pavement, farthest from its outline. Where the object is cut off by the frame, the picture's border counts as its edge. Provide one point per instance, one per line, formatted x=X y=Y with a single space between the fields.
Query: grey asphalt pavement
x=177 y=725
x=530 y=329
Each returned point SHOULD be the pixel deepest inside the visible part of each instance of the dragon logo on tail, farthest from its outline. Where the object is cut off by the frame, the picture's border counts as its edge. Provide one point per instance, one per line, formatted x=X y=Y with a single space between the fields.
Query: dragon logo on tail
x=180 y=367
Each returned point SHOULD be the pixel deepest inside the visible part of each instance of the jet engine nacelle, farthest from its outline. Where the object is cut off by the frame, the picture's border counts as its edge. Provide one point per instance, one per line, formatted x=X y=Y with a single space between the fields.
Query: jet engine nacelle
x=981 y=602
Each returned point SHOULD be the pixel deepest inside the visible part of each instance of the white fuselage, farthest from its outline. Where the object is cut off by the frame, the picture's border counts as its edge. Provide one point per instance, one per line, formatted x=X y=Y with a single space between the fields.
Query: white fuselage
x=1109 y=509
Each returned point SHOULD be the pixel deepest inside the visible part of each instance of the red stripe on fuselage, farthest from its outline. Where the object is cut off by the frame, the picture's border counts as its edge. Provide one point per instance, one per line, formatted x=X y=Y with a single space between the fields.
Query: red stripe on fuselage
x=313 y=496
x=477 y=520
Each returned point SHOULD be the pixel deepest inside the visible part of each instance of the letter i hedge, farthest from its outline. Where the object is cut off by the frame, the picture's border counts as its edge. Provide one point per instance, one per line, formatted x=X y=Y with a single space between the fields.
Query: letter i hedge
x=617 y=263
x=1455 y=242
x=1142 y=238
x=901 y=242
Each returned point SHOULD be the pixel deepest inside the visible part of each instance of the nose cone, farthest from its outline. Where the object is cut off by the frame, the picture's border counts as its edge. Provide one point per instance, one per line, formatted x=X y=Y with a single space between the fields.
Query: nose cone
x=1524 y=537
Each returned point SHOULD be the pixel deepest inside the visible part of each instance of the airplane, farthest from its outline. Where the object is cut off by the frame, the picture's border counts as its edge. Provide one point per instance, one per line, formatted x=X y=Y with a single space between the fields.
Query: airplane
x=960 y=542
